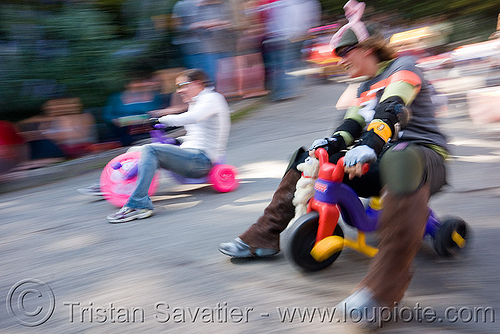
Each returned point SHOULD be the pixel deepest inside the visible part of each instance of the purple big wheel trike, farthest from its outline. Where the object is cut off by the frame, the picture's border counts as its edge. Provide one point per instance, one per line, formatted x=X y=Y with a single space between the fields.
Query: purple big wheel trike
x=315 y=240
x=119 y=177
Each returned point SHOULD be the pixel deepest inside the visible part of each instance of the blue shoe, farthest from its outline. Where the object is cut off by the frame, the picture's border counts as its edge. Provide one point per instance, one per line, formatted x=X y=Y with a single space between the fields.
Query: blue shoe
x=238 y=249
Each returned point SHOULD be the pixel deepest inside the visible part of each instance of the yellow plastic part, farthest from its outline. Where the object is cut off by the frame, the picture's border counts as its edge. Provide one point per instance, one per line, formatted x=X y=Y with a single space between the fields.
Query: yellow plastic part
x=360 y=245
x=333 y=244
x=327 y=247
x=375 y=203
x=459 y=240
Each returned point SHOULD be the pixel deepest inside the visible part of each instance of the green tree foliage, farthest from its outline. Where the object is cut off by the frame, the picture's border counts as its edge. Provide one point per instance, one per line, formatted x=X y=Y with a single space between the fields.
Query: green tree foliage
x=73 y=49
x=81 y=47
x=416 y=10
x=472 y=20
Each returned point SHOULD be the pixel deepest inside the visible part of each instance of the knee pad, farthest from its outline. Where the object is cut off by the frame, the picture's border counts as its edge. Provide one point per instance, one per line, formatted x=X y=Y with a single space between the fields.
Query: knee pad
x=297 y=157
x=402 y=169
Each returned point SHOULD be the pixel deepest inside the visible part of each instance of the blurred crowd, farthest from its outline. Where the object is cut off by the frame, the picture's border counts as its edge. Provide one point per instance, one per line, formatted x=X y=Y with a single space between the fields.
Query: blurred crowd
x=249 y=48
x=246 y=51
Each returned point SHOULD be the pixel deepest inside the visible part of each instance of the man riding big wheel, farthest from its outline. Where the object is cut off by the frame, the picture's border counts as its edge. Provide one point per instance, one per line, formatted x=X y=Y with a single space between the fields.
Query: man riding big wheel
x=406 y=152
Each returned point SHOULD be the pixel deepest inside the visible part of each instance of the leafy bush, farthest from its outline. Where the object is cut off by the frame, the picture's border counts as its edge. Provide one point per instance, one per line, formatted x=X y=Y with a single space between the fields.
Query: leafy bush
x=74 y=50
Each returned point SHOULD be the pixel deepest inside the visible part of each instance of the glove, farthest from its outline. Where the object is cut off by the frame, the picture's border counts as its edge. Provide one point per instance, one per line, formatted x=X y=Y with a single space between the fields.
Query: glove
x=360 y=154
x=332 y=145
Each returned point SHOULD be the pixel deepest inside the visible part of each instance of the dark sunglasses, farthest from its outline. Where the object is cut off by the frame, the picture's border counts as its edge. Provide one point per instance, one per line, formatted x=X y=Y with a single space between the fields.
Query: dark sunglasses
x=343 y=52
x=182 y=84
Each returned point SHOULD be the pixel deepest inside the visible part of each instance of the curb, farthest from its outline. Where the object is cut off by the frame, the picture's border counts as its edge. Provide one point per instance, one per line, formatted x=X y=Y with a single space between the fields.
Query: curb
x=31 y=178
x=19 y=180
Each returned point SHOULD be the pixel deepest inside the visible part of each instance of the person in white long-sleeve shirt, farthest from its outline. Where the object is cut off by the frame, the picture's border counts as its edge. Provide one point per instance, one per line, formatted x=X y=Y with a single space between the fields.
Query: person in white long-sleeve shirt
x=207 y=124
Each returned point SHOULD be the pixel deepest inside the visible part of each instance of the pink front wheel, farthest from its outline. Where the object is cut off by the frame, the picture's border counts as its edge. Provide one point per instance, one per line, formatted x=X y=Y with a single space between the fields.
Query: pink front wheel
x=223 y=178
x=119 y=178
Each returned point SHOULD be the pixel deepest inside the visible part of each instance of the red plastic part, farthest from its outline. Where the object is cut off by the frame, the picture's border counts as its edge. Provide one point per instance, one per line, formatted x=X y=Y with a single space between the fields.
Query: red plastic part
x=328 y=218
x=333 y=172
x=329 y=214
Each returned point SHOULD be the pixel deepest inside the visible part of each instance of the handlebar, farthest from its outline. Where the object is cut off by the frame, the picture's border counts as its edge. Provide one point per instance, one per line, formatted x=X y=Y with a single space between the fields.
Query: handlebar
x=322 y=155
x=330 y=171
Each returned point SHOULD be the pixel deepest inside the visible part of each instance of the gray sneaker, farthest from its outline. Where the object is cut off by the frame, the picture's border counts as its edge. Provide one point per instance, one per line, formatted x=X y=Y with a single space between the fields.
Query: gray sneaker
x=361 y=308
x=93 y=190
x=127 y=214
x=237 y=248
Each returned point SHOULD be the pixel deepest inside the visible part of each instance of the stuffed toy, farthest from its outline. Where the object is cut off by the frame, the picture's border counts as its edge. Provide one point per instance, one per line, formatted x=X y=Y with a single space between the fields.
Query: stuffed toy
x=305 y=185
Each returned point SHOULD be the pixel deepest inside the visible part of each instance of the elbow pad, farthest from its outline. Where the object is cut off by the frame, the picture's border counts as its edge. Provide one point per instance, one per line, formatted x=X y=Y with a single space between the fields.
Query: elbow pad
x=393 y=110
x=391 y=115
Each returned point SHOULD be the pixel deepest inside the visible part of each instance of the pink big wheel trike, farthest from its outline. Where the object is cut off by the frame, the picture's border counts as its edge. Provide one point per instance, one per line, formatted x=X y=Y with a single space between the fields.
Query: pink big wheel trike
x=315 y=240
x=119 y=177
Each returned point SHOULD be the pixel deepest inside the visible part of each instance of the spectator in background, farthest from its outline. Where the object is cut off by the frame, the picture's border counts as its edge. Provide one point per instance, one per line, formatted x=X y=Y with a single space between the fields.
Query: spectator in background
x=286 y=24
x=174 y=103
x=62 y=131
x=184 y=15
x=131 y=106
x=250 y=77
x=217 y=38
x=70 y=129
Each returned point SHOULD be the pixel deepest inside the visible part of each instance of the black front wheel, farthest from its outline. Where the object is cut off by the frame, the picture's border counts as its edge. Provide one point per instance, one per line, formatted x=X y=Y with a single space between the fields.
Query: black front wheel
x=301 y=240
x=446 y=243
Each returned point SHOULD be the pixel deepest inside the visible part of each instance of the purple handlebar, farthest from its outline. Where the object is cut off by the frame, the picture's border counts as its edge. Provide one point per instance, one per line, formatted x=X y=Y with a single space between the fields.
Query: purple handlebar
x=127 y=175
x=157 y=136
x=116 y=165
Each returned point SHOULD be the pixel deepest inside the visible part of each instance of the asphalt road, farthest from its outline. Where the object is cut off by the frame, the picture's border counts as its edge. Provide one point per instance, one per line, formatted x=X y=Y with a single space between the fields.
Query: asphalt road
x=66 y=270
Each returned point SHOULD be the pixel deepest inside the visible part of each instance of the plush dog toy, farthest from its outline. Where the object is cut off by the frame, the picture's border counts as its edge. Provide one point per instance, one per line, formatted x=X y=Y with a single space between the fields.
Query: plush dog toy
x=305 y=185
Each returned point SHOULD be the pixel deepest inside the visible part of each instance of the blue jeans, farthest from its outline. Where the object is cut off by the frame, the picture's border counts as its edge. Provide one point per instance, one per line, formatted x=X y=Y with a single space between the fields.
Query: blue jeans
x=282 y=56
x=189 y=163
x=192 y=60
x=209 y=62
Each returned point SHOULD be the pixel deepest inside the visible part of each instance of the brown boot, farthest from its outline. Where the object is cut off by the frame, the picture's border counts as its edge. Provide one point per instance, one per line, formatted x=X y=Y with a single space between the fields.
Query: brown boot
x=265 y=233
x=402 y=227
